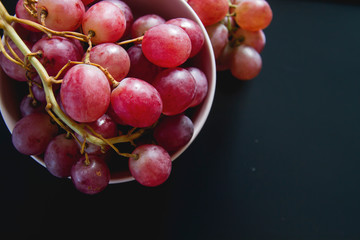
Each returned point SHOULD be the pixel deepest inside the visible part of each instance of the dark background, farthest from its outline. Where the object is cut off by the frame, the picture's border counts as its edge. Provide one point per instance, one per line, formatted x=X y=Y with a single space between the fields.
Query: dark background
x=278 y=157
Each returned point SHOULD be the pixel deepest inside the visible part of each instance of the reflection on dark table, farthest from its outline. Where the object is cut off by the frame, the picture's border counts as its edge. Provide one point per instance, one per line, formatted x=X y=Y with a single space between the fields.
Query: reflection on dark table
x=278 y=157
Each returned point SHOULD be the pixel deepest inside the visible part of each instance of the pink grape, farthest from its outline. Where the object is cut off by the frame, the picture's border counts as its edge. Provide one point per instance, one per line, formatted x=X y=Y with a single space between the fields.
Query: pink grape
x=57 y=12
x=246 y=63
x=173 y=132
x=201 y=85
x=106 y=20
x=255 y=39
x=112 y=57
x=27 y=106
x=166 y=45
x=90 y=177
x=194 y=32
x=140 y=67
x=129 y=17
x=12 y=69
x=56 y=52
x=85 y=93
x=32 y=133
x=22 y=13
x=153 y=166
x=210 y=11
x=253 y=15
x=223 y=61
x=61 y=153
x=136 y=102
x=177 y=89
x=144 y=23
x=219 y=37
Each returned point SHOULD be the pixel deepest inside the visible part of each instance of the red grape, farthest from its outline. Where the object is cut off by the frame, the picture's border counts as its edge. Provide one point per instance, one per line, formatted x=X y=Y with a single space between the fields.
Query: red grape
x=106 y=127
x=136 y=102
x=56 y=12
x=85 y=93
x=12 y=69
x=61 y=153
x=219 y=37
x=144 y=23
x=129 y=17
x=255 y=39
x=32 y=133
x=174 y=132
x=246 y=62
x=56 y=52
x=177 y=89
x=106 y=20
x=140 y=67
x=253 y=15
x=92 y=176
x=112 y=57
x=27 y=106
x=153 y=166
x=201 y=85
x=22 y=13
x=166 y=45
x=194 y=32
x=210 y=11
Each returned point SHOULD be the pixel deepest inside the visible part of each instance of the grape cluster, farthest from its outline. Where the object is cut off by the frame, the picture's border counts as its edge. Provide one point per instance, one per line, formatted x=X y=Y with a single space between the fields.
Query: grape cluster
x=98 y=78
x=235 y=28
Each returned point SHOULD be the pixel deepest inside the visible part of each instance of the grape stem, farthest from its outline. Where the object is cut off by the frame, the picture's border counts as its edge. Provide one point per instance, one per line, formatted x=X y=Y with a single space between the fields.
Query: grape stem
x=53 y=107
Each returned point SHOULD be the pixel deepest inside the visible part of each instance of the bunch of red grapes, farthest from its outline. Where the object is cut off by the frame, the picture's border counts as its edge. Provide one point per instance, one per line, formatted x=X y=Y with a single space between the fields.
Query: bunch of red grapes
x=121 y=79
x=235 y=28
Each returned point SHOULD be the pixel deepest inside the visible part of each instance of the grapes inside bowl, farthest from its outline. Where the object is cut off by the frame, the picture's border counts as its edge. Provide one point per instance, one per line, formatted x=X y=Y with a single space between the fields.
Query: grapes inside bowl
x=114 y=133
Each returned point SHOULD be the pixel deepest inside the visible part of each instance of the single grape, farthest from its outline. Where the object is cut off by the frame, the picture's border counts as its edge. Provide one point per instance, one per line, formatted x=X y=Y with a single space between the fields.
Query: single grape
x=219 y=37
x=90 y=176
x=106 y=20
x=194 y=32
x=177 y=89
x=201 y=85
x=60 y=155
x=129 y=17
x=253 y=15
x=210 y=11
x=246 y=63
x=112 y=57
x=32 y=133
x=136 y=102
x=173 y=132
x=144 y=23
x=29 y=106
x=22 y=13
x=255 y=39
x=166 y=45
x=153 y=165
x=56 y=52
x=140 y=67
x=57 y=14
x=11 y=69
x=85 y=93
x=223 y=61
x=38 y=89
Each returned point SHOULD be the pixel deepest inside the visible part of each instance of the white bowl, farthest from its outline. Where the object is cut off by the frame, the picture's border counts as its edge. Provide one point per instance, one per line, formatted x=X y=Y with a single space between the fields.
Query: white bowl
x=10 y=98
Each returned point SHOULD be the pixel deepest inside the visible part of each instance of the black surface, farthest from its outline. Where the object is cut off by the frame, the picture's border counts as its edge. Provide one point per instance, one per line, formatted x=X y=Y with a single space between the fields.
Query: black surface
x=278 y=157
